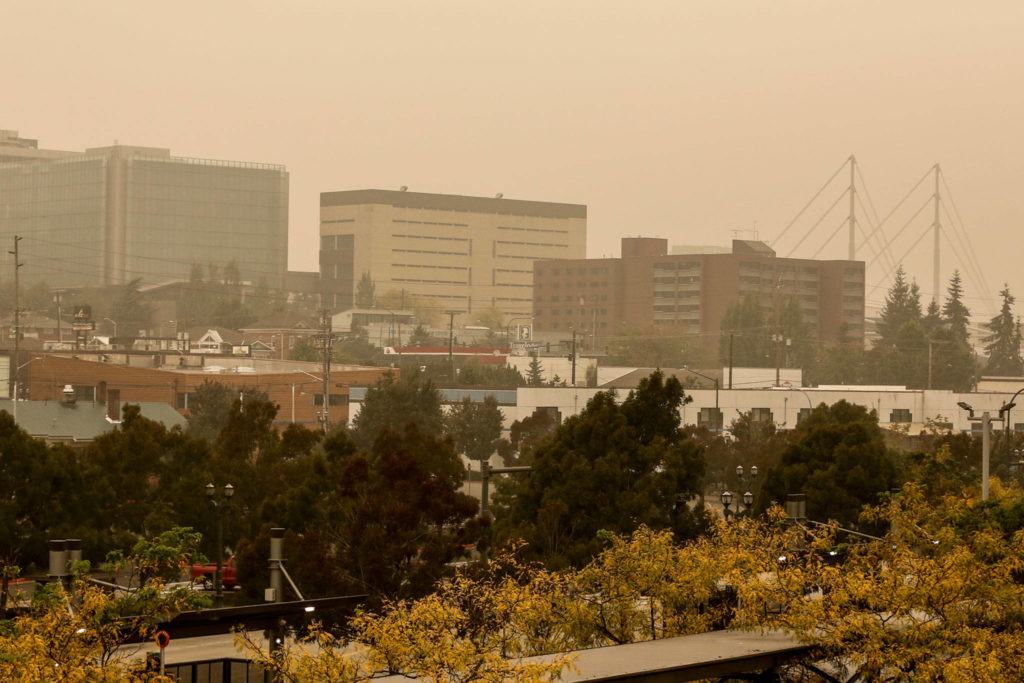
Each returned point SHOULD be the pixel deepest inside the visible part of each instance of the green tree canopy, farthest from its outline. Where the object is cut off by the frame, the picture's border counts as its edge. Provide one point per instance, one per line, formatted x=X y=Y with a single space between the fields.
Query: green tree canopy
x=954 y=312
x=613 y=467
x=902 y=305
x=475 y=428
x=838 y=459
x=393 y=403
x=365 y=292
x=130 y=309
x=1003 y=344
x=744 y=324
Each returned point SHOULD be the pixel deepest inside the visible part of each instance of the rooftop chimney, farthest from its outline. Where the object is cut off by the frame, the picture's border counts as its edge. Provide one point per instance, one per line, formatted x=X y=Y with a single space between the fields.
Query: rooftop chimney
x=114 y=405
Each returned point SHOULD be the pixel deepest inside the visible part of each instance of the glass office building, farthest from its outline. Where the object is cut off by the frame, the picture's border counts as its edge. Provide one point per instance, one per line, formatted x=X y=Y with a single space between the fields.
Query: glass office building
x=117 y=213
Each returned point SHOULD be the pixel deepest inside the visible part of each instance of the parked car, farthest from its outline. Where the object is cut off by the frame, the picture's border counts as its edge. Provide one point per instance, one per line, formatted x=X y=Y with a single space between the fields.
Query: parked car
x=204 y=573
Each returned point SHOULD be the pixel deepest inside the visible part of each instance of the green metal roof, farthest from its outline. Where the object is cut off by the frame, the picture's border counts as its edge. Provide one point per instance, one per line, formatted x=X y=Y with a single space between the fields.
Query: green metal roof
x=83 y=421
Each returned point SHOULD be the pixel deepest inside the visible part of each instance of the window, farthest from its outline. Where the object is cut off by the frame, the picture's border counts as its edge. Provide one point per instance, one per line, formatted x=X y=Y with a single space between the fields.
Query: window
x=183 y=400
x=761 y=415
x=336 y=399
x=710 y=418
x=84 y=392
x=900 y=416
x=802 y=415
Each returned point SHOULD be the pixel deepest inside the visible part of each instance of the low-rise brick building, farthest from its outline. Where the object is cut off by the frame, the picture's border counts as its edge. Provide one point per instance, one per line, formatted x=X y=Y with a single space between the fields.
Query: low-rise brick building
x=299 y=393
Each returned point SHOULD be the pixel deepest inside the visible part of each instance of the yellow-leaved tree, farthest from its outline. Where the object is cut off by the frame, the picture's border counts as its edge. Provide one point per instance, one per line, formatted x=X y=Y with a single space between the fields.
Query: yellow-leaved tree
x=79 y=633
x=938 y=598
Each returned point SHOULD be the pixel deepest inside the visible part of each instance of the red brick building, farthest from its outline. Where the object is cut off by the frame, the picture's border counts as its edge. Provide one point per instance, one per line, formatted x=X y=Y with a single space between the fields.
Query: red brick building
x=648 y=287
x=299 y=394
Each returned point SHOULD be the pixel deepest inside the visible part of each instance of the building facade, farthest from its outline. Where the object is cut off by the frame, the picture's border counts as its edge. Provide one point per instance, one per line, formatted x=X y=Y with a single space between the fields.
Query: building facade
x=690 y=293
x=453 y=252
x=111 y=214
x=299 y=394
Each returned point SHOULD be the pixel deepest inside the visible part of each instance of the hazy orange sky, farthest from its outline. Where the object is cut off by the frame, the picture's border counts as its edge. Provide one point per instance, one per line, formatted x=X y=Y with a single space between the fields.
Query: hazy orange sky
x=685 y=120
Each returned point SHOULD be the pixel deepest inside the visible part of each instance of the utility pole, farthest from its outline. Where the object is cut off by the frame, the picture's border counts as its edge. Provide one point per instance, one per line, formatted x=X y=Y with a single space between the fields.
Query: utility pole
x=929 y=365
x=593 y=337
x=730 y=359
x=60 y=335
x=17 y=321
x=937 y=229
x=853 y=215
x=986 y=449
x=326 y=341
x=572 y=357
x=451 y=343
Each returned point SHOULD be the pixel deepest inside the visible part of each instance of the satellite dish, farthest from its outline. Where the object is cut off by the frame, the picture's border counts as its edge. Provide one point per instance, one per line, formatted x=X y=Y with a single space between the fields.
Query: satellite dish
x=403 y=188
x=498 y=196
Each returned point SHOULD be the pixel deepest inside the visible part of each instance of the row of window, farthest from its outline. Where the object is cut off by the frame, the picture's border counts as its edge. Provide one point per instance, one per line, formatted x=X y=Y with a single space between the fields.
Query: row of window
x=424 y=265
x=570 y=311
x=431 y=237
x=594 y=270
x=712 y=417
x=451 y=225
x=571 y=297
x=554 y=326
x=509 y=227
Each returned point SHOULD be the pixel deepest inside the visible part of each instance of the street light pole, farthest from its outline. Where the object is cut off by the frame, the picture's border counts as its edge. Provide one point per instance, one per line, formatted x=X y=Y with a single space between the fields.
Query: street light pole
x=1006 y=427
x=718 y=413
x=986 y=438
x=219 y=506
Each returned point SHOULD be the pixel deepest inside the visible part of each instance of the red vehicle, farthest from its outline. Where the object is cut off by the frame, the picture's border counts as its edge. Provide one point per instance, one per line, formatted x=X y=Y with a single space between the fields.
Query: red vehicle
x=204 y=573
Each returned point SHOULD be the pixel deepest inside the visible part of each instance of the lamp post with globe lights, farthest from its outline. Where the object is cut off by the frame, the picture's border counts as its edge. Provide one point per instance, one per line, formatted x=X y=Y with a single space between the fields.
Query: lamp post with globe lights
x=219 y=505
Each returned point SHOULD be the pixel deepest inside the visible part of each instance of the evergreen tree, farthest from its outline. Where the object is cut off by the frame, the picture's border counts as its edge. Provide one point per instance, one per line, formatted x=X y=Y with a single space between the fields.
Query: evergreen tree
x=132 y=313
x=952 y=361
x=394 y=403
x=475 y=428
x=744 y=322
x=838 y=459
x=535 y=373
x=420 y=337
x=906 y=361
x=954 y=312
x=932 y=320
x=902 y=304
x=614 y=467
x=1003 y=345
x=365 y=292
x=801 y=351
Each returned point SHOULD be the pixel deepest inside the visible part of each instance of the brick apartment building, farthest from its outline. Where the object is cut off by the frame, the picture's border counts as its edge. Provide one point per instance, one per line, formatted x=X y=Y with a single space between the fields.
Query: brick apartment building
x=648 y=287
x=299 y=394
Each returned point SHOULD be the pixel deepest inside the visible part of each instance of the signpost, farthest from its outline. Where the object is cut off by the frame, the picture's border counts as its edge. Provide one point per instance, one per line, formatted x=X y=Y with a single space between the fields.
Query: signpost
x=82 y=323
x=162 y=639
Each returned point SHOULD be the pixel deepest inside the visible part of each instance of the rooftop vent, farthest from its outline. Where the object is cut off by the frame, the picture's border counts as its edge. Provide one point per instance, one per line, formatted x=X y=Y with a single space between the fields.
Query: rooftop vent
x=68 y=396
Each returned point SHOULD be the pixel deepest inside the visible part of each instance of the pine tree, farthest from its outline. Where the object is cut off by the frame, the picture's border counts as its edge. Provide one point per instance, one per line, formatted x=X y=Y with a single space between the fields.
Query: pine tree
x=365 y=292
x=902 y=305
x=745 y=323
x=1003 y=345
x=954 y=312
x=535 y=373
x=932 y=320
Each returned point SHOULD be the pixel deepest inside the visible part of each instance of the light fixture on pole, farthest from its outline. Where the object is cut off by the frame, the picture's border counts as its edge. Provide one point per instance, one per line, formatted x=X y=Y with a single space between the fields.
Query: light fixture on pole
x=219 y=505
x=726 y=502
x=986 y=438
x=718 y=413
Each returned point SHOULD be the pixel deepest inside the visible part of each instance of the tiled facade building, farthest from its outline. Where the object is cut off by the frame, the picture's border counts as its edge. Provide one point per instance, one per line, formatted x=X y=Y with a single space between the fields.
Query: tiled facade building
x=459 y=253
x=690 y=293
